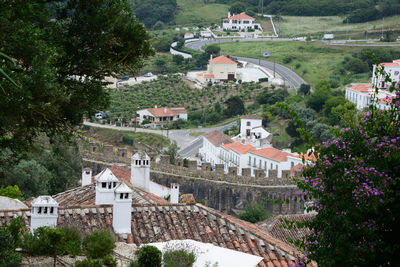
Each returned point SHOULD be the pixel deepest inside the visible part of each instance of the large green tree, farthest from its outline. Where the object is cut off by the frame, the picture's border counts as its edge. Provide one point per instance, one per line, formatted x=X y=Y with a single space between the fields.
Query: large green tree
x=63 y=51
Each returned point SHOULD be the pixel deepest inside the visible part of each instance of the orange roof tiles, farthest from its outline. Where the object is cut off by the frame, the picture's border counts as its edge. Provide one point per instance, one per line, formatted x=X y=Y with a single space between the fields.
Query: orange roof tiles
x=188 y=33
x=222 y=60
x=208 y=75
x=250 y=117
x=217 y=138
x=390 y=64
x=362 y=88
x=239 y=147
x=273 y=153
x=165 y=112
x=241 y=16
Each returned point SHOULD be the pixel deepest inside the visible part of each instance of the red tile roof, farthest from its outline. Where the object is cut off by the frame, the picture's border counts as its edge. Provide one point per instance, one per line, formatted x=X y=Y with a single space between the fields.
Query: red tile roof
x=165 y=112
x=160 y=223
x=188 y=33
x=222 y=60
x=362 y=88
x=273 y=153
x=208 y=75
x=278 y=227
x=389 y=64
x=250 y=117
x=239 y=147
x=217 y=138
x=241 y=16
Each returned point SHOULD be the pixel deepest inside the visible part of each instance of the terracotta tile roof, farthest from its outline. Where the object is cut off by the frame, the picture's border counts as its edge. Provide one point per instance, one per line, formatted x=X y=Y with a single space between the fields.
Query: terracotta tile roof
x=250 y=117
x=122 y=173
x=217 y=138
x=273 y=153
x=187 y=198
x=241 y=16
x=165 y=112
x=188 y=33
x=239 y=147
x=160 y=223
x=296 y=168
x=208 y=75
x=396 y=60
x=389 y=64
x=222 y=60
x=278 y=228
x=362 y=88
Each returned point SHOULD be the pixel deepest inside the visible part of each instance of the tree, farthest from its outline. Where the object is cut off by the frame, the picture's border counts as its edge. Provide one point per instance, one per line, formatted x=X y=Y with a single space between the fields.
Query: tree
x=98 y=244
x=212 y=50
x=148 y=256
x=354 y=186
x=254 y=213
x=172 y=152
x=178 y=59
x=63 y=50
x=317 y=99
x=234 y=106
x=304 y=89
x=237 y=7
x=11 y=192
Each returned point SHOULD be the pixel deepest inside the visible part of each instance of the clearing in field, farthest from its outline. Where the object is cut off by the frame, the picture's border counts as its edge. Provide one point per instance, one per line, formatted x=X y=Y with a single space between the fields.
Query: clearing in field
x=194 y=12
x=312 y=61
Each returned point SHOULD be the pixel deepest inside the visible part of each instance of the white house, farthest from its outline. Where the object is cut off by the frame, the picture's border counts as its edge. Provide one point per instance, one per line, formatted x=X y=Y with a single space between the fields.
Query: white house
x=252 y=132
x=272 y=159
x=219 y=68
x=210 y=150
x=390 y=68
x=162 y=115
x=234 y=155
x=188 y=35
x=239 y=22
x=361 y=94
x=205 y=34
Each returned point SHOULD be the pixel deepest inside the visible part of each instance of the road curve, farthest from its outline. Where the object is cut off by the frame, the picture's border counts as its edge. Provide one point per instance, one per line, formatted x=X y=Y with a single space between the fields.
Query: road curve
x=287 y=74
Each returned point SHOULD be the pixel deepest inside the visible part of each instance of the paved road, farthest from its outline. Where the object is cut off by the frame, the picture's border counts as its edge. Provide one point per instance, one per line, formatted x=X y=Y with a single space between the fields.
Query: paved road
x=289 y=76
x=190 y=145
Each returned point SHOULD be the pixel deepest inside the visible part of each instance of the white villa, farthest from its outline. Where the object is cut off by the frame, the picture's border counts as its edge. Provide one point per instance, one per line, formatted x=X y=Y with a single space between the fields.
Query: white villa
x=161 y=115
x=239 y=22
x=362 y=93
x=218 y=69
x=252 y=132
x=390 y=68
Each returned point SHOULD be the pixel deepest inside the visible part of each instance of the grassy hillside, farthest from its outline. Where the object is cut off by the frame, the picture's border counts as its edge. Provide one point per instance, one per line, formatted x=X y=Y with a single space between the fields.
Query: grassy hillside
x=302 y=26
x=194 y=12
x=312 y=61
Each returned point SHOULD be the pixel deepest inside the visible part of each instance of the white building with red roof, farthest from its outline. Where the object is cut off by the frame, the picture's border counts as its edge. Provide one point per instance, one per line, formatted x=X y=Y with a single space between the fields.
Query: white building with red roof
x=239 y=22
x=361 y=94
x=162 y=115
x=234 y=155
x=390 y=68
x=188 y=35
x=218 y=69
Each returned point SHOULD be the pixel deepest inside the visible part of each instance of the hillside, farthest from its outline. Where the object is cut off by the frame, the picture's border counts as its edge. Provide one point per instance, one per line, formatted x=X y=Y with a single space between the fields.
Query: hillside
x=195 y=12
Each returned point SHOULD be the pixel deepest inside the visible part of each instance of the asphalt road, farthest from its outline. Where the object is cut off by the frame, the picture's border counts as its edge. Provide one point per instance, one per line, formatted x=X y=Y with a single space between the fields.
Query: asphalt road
x=189 y=144
x=289 y=76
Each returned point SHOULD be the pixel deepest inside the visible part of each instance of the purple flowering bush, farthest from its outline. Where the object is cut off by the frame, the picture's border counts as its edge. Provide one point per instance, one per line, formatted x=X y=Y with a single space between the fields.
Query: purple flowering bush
x=354 y=186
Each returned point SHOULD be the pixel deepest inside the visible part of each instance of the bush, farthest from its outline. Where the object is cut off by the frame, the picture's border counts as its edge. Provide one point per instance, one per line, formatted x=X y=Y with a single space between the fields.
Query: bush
x=89 y=263
x=98 y=245
x=148 y=256
x=109 y=261
x=38 y=243
x=71 y=242
x=254 y=213
x=8 y=256
x=263 y=80
x=127 y=139
x=146 y=121
x=179 y=258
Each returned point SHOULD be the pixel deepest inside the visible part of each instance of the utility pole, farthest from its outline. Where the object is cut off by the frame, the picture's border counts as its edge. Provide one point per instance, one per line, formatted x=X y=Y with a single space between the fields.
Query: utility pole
x=259 y=59
x=135 y=119
x=274 y=68
x=383 y=20
x=347 y=28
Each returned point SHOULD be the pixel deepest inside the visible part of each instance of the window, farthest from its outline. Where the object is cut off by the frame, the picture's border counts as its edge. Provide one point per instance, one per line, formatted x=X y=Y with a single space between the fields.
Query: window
x=254 y=162
x=249 y=160
x=39 y=210
x=114 y=184
x=103 y=185
x=45 y=210
x=121 y=196
x=51 y=210
x=292 y=164
x=109 y=185
x=271 y=166
x=248 y=123
x=259 y=164
x=126 y=195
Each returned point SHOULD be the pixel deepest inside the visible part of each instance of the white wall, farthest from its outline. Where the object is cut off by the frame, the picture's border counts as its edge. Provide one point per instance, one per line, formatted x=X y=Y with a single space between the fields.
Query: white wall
x=392 y=71
x=244 y=127
x=210 y=152
x=159 y=190
x=122 y=214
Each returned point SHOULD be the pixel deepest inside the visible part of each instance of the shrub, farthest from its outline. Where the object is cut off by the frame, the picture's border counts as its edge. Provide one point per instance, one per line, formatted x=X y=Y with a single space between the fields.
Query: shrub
x=127 y=139
x=146 y=121
x=179 y=258
x=98 y=245
x=254 y=213
x=149 y=256
x=38 y=243
x=109 y=261
x=71 y=242
x=8 y=256
x=89 y=263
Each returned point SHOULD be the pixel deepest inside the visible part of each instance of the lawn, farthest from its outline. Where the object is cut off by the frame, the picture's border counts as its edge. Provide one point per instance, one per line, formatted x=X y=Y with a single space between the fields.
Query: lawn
x=194 y=12
x=316 y=26
x=312 y=61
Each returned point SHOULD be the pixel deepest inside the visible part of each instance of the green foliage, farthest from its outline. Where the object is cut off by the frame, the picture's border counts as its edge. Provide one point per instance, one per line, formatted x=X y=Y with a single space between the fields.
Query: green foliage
x=128 y=139
x=179 y=258
x=11 y=192
x=254 y=213
x=318 y=98
x=89 y=263
x=234 y=106
x=270 y=98
x=305 y=89
x=212 y=50
x=10 y=238
x=51 y=43
x=146 y=121
x=172 y=152
x=98 y=244
x=356 y=65
x=178 y=59
x=110 y=261
x=237 y=7
x=150 y=12
x=148 y=256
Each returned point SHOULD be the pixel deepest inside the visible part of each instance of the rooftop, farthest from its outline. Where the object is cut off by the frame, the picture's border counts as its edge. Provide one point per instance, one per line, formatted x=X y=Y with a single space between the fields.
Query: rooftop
x=362 y=87
x=239 y=147
x=217 y=138
x=222 y=60
x=241 y=16
x=250 y=117
x=164 y=112
x=273 y=153
x=160 y=223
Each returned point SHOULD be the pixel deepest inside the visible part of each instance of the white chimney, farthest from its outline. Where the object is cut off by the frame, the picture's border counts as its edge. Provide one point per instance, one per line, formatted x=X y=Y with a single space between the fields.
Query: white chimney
x=174 y=193
x=229 y=14
x=155 y=106
x=140 y=170
x=86 y=176
x=122 y=211
x=106 y=182
x=44 y=212
x=165 y=110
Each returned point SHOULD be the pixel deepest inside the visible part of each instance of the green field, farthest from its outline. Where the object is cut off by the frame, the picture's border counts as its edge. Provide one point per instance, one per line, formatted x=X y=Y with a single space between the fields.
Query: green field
x=194 y=12
x=312 y=61
x=302 y=26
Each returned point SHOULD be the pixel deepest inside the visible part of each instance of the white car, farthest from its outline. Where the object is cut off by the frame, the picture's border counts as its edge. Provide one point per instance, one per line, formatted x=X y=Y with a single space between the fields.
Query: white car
x=149 y=74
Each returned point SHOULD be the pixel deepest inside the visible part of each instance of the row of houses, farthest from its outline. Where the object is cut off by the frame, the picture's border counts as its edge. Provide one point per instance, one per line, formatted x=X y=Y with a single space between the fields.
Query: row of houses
x=243 y=151
x=364 y=94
